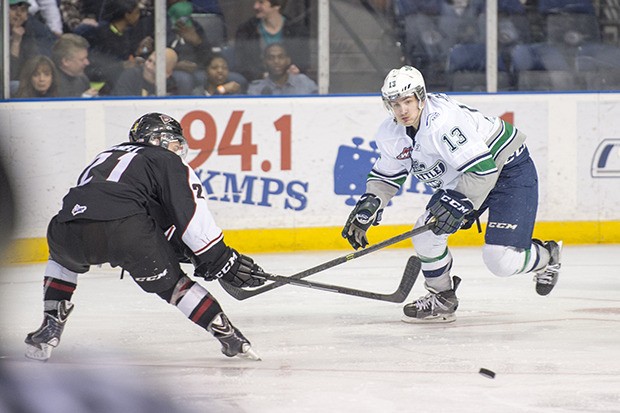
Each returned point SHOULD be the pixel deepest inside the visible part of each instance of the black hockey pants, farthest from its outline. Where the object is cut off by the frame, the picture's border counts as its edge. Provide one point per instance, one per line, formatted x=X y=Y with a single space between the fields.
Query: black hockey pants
x=134 y=243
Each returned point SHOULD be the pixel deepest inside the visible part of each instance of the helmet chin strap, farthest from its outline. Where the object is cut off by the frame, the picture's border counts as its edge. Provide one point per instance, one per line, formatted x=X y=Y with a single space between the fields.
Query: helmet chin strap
x=416 y=122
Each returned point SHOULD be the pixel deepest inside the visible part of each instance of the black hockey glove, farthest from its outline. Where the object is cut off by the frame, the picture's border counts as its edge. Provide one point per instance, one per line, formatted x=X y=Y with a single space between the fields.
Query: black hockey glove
x=365 y=213
x=449 y=208
x=472 y=218
x=236 y=269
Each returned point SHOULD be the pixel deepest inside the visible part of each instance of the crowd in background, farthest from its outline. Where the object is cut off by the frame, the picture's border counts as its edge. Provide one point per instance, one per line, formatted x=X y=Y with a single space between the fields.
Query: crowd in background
x=88 y=48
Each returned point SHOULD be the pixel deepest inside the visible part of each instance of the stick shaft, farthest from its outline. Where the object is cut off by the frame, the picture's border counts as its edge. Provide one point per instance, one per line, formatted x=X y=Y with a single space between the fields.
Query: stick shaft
x=241 y=294
x=409 y=277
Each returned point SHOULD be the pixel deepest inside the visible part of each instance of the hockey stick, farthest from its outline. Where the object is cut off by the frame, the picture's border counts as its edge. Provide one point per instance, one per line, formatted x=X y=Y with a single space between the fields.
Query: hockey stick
x=412 y=269
x=241 y=294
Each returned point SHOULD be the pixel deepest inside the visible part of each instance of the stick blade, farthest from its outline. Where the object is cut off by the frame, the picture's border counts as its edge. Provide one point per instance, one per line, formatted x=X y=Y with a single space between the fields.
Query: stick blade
x=410 y=275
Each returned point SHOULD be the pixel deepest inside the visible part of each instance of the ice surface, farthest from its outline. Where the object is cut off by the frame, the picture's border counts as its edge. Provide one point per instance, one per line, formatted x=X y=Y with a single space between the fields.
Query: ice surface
x=324 y=352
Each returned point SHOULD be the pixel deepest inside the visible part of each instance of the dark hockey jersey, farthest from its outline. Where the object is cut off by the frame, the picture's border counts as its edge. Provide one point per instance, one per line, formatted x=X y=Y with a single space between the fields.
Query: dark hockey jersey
x=130 y=178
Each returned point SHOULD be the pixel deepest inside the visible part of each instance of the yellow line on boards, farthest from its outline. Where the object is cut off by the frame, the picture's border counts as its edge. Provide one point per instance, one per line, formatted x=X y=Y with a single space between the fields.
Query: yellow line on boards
x=274 y=240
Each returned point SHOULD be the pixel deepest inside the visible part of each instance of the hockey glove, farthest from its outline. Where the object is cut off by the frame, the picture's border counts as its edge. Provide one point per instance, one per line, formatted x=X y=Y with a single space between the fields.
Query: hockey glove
x=365 y=213
x=236 y=269
x=472 y=218
x=449 y=208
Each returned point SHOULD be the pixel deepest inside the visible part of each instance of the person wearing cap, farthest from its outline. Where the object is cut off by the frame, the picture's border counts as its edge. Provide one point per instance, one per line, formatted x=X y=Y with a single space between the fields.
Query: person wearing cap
x=28 y=37
x=189 y=40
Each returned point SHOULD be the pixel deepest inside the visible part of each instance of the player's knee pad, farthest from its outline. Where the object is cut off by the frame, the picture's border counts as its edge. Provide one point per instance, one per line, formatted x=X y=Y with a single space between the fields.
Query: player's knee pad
x=503 y=261
x=55 y=270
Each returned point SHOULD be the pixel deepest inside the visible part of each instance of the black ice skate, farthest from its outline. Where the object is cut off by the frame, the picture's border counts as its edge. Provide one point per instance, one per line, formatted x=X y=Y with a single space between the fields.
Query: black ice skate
x=233 y=342
x=434 y=307
x=547 y=277
x=39 y=343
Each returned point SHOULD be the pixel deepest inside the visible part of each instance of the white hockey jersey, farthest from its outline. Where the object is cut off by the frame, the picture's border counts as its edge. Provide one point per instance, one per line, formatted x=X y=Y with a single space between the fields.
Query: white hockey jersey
x=452 y=139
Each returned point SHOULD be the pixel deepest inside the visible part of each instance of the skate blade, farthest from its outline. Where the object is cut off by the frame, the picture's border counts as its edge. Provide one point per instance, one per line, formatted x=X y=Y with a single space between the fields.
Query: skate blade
x=39 y=354
x=438 y=319
x=249 y=353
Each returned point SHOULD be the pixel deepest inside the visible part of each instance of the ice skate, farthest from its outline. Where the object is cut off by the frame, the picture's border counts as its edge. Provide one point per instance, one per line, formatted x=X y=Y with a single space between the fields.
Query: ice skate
x=233 y=342
x=39 y=343
x=547 y=277
x=434 y=307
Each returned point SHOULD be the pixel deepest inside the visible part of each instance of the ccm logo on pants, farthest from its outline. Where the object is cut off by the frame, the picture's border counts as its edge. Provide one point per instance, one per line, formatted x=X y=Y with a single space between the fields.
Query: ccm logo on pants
x=152 y=277
x=502 y=225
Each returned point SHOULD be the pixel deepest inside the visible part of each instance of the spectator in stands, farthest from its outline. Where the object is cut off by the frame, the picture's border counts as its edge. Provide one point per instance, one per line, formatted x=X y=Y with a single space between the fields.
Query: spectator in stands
x=279 y=80
x=189 y=40
x=38 y=79
x=80 y=17
x=217 y=79
x=28 y=37
x=70 y=53
x=434 y=27
x=140 y=80
x=267 y=27
x=113 y=47
x=49 y=12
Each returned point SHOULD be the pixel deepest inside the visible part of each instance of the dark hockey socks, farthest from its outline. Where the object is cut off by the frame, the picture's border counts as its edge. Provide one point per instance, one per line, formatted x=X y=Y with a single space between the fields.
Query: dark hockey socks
x=55 y=291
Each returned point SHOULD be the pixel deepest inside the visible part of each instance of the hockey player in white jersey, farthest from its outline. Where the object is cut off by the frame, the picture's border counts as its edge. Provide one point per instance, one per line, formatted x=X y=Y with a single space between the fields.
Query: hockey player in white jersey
x=141 y=207
x=474 y=163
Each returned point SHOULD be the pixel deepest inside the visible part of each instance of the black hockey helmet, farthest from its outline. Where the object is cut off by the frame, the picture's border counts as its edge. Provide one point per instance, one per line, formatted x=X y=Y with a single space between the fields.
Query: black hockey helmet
x=158 y=129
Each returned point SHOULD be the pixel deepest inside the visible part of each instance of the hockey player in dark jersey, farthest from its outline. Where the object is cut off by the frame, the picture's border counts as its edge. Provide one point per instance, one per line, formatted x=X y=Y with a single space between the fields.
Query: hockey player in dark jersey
x=139 y=206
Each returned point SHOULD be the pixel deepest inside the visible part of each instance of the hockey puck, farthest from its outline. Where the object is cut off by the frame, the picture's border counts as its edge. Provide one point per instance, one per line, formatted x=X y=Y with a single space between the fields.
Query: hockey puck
x=489 y=374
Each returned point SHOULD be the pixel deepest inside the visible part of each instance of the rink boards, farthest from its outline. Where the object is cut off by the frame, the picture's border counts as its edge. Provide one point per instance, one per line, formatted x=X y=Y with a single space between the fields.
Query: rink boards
x=282 y=173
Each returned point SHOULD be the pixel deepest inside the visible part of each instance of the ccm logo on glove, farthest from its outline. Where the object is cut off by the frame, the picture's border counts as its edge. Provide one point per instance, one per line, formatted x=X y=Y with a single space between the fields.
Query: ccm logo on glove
x=449 y=208
x=228 y=265
x=458 y=206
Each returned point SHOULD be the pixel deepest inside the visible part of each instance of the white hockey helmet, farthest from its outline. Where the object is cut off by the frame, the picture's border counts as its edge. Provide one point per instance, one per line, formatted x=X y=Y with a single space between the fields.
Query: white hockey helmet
x=403 y=82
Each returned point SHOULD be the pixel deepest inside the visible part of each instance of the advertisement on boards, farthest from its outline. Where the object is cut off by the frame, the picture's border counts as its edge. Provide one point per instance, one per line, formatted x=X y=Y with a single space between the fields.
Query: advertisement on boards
x=302 y=162
x=289 y=162
x=598 y=160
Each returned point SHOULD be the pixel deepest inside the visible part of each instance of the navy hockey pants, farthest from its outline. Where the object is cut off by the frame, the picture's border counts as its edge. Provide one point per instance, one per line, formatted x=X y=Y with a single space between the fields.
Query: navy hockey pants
x=512 y=206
